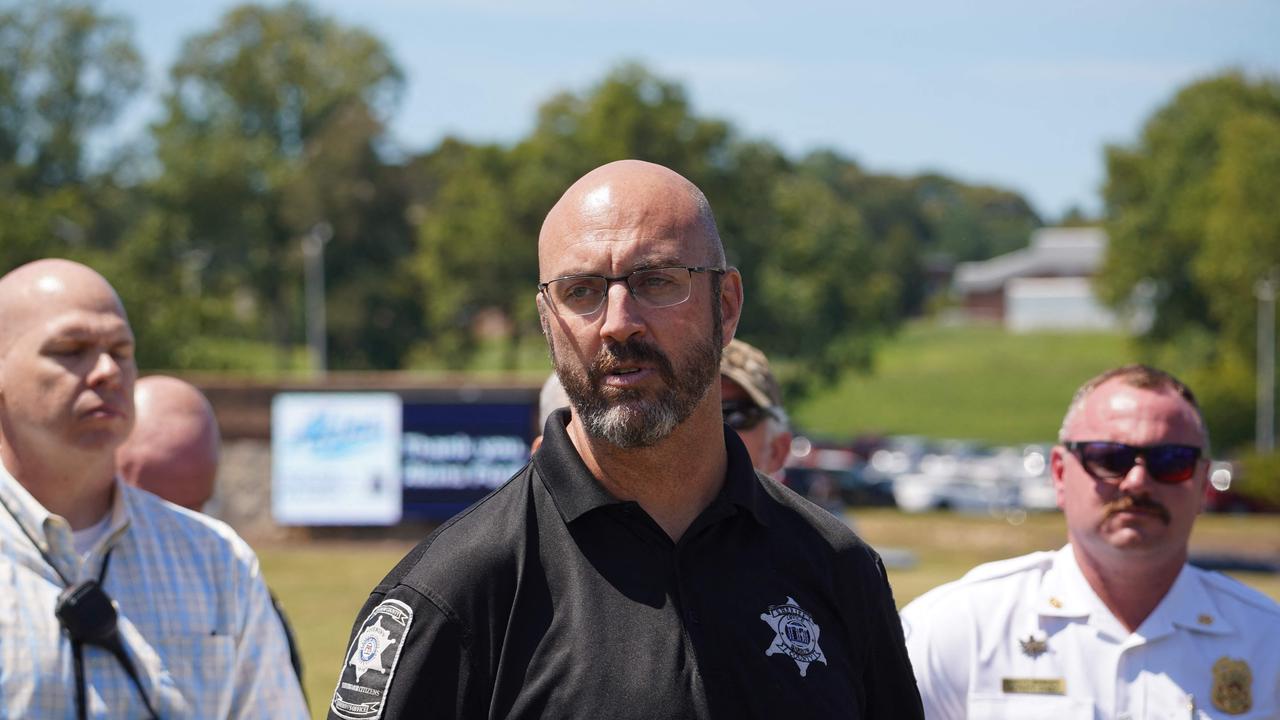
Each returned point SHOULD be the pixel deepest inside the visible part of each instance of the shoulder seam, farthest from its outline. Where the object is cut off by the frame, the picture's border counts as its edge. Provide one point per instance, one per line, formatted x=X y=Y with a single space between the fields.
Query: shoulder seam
x=474 y=507
x=1241 y=592
x=1009 y=566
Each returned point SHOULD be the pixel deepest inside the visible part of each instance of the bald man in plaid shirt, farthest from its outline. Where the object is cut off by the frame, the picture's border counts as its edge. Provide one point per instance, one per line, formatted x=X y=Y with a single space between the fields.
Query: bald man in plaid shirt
x=113 y=603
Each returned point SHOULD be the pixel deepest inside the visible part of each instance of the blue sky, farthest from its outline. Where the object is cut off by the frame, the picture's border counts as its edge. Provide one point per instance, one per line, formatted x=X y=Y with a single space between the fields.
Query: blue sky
x=1020 y=94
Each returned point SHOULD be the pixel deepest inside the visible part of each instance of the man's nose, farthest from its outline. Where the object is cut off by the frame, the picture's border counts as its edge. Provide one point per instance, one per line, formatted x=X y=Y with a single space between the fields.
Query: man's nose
x=1138 y=478
x=106 y=369
x=622 y=314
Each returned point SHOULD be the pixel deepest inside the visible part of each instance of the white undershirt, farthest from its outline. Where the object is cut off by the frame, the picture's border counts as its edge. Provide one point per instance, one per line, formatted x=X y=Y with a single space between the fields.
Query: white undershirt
x=84 y=540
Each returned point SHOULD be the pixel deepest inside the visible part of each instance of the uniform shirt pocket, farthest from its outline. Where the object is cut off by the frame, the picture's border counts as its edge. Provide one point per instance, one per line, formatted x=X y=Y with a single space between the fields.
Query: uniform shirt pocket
x=1006 y=707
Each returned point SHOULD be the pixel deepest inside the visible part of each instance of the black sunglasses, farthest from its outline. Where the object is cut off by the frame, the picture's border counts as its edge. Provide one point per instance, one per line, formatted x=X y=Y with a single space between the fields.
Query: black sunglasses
x=743 y=415
x=1112 y=460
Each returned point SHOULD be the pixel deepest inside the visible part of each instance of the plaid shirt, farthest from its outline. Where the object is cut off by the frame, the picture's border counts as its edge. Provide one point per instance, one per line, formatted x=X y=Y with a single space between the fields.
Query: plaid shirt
x=194 y=614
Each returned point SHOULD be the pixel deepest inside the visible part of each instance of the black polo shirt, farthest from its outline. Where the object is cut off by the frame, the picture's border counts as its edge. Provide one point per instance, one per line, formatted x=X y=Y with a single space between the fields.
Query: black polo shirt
x=552 y=599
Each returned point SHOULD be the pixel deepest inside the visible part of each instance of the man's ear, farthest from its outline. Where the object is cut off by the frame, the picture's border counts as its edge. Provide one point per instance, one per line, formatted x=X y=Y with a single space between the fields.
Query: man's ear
x=731 y=298
x=1057 y=466
x=541 y=304
x=779 y=449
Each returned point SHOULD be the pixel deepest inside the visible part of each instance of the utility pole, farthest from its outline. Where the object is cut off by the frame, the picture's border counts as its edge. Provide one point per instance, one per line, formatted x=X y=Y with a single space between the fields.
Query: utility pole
x=1265 y=291
x=313 y=265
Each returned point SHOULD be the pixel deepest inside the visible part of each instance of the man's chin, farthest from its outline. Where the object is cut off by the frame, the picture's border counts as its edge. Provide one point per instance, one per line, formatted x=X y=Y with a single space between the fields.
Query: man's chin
x=630 y=425
x=1134 y=534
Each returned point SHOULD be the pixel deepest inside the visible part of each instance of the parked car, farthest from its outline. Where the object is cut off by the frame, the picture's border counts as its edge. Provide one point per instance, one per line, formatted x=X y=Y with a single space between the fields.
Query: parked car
x=852 y=486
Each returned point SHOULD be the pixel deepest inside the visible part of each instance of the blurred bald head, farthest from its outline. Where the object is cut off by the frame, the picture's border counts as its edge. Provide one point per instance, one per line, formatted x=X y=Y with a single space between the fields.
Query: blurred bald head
x=173 y=451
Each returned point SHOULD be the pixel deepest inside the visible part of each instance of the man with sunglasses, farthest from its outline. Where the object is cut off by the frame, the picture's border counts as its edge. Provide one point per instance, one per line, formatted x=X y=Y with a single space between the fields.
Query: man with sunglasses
x=113 y=603
x=1116 y=624
x=638 y=567
x=751 y=401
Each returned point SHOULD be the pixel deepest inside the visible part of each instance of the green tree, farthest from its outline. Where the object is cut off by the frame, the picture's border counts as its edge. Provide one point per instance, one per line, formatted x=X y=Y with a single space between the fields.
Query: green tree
x=66 y=70
x=472 y=257
x=1191 y=207
x=271 y=127
x=1160 y=193
x=482 y=207
x=825 y=295
x=1242 y=224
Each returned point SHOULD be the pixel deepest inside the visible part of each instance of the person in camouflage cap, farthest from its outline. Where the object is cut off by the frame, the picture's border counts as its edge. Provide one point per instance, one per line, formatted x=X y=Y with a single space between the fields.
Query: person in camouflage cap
x=752 y=403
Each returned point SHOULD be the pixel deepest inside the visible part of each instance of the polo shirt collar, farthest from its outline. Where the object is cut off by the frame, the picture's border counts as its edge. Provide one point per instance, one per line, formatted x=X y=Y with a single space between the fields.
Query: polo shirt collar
x=742 y=483
x=576 y=491
x=572 y=486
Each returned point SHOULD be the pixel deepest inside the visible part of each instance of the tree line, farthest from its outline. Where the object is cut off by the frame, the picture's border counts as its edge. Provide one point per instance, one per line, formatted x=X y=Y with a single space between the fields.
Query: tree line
x=274 y=124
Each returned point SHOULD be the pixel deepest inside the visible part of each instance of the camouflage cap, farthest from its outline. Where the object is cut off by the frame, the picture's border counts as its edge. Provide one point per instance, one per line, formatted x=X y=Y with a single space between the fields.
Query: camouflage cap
x=747 y=366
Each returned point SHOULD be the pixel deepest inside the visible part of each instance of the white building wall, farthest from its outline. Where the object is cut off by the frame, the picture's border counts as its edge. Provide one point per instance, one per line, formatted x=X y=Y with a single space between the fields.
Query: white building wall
x=1055 y=304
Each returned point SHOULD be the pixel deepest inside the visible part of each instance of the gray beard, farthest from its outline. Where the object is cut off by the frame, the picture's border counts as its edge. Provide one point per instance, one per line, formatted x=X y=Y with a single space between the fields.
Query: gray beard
x=639 y=418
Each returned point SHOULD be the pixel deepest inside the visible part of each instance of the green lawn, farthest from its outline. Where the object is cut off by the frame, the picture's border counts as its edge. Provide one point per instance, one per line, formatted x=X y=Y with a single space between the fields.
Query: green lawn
x=971 y=382
x=323 y=584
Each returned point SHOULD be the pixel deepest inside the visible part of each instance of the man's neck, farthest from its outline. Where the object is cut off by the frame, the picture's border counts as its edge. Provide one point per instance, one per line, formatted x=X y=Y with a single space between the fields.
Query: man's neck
x=674 y=480
x=79 y=490
x=1131 y=588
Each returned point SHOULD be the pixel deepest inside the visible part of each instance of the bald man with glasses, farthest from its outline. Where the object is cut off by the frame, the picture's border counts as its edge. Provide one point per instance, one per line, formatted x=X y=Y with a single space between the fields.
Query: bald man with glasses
x=638 y=567
x=1116 y=624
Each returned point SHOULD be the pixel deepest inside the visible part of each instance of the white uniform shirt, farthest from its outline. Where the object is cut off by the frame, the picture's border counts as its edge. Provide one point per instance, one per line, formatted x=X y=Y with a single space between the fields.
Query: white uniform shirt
x=1028 y=638
x=194 y=615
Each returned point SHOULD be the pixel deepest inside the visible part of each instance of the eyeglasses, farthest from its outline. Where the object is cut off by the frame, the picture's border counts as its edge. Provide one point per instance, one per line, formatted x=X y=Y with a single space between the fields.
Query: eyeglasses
x=652 y=287
x=1104 y=460
x=743 y=415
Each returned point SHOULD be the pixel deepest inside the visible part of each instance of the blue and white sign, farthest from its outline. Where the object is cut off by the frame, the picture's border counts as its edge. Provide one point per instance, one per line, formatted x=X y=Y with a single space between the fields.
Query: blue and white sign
x=456 y=453
x=336 y=458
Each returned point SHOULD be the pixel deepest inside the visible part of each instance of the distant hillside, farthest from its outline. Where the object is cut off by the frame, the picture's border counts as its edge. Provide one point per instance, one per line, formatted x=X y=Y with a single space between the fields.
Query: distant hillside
x=976 y=383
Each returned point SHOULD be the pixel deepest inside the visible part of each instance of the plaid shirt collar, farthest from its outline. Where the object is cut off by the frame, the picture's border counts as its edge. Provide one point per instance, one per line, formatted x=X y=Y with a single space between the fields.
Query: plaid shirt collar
x=52 y=533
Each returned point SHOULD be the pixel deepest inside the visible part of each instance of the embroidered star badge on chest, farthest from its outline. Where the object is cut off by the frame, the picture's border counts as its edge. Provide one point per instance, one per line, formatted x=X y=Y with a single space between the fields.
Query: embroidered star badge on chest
x=796 y=634
x=1035 y=645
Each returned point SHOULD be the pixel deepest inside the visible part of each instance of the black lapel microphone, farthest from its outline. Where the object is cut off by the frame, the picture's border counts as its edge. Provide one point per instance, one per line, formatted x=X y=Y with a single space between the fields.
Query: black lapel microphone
x=86 y=613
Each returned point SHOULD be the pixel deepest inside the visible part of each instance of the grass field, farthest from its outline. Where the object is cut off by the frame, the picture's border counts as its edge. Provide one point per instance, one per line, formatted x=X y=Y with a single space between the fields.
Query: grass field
x=324 y=584
x=970 y=382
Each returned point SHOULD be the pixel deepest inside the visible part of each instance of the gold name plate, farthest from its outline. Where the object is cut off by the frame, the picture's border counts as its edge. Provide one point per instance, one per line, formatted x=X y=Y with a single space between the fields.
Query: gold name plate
x=1035 y=686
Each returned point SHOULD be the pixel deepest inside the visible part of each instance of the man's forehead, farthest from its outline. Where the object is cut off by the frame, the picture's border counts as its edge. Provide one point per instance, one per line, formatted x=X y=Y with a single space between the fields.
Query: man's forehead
x=1116 y=405
x=619 y=215
x=43 y=290
x=606 y=255
x=82 y=323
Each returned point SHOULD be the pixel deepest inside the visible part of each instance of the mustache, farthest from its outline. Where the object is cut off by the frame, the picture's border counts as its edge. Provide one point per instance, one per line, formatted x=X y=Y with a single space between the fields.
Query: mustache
x=615 y=355
x=1140 y=503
